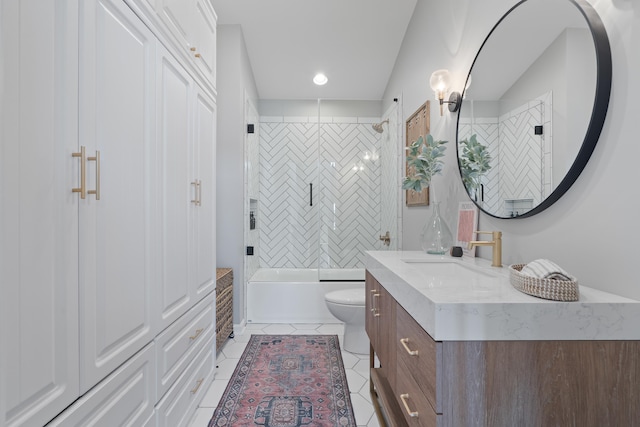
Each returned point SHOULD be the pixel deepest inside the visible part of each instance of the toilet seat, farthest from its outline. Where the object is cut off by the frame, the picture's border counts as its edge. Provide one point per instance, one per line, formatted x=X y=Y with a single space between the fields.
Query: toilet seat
x=346 y=297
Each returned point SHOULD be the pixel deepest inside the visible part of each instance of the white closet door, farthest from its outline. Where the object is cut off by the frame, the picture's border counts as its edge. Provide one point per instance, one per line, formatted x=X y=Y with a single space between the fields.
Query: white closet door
x=117 y=113
x=177 y=192
x=203 y=279
x=38 y=211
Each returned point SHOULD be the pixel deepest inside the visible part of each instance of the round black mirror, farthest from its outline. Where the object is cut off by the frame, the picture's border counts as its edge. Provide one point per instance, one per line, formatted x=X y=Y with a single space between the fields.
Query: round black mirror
x=534 y=105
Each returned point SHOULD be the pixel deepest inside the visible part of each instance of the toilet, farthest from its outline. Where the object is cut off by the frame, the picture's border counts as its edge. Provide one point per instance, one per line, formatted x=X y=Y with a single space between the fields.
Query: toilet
x=348 y=306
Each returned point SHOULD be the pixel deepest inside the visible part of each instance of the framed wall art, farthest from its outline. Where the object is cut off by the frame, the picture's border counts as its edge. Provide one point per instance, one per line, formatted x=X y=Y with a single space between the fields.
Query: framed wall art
x=416 y=125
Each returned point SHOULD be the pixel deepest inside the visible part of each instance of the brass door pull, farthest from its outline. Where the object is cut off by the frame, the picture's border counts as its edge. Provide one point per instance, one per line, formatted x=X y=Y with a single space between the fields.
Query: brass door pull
x=83 y=173
x=405 y=342
x=96 y=159
x=195 y=200
x=404 y=398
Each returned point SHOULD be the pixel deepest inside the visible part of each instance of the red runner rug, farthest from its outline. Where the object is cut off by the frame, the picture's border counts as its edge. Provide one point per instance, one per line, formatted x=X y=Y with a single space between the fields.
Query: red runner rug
x=287 y=381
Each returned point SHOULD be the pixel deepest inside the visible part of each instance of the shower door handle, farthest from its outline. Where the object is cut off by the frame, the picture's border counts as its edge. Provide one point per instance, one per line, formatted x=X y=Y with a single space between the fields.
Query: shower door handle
x=310 y=194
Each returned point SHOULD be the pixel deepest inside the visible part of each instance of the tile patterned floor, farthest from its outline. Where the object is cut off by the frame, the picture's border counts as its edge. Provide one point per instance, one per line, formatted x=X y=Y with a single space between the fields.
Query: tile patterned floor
x=356 y=367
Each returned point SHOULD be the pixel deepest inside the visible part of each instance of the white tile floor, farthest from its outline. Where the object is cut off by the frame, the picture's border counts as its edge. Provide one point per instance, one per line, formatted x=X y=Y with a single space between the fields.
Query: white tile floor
x=356 y=367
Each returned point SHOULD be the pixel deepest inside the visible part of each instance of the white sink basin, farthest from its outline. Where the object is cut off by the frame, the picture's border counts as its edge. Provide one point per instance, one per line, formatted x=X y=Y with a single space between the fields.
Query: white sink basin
x=451 y=271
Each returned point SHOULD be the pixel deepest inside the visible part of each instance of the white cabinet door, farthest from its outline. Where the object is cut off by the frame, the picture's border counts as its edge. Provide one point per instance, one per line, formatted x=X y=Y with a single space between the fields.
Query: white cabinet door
x=38 y=211
x=177 y=192
x=176 y=14
x=117 y=124
x=204 y=39
x=186 y=134
x=193 y=26
x=203 y=219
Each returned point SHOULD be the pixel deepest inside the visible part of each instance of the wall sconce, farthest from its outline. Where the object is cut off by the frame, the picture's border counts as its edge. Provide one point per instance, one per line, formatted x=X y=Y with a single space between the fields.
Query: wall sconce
x=439 y=82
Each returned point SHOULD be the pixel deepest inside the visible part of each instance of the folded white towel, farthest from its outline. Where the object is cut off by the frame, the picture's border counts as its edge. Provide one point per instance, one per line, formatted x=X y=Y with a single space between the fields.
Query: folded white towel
x=545 y=269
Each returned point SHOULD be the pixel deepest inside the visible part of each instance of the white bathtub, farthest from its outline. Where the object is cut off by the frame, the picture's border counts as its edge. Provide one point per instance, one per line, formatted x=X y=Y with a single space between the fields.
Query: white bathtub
x=293 y=295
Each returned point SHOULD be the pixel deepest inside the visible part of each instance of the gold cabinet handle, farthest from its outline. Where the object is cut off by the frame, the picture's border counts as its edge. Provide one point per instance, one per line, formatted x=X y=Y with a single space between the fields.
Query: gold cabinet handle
x=405 y=342
x=195 y=188
x=197 y=55
x=404 y=398
x=96 y=159
x=197 y=387
x=83 y=173
x=199 y=188
x=192 y=49
x=197 y=334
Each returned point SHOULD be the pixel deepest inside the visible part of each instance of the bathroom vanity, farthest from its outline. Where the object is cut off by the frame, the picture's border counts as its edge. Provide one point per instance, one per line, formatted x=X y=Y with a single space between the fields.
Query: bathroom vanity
x=457 y=345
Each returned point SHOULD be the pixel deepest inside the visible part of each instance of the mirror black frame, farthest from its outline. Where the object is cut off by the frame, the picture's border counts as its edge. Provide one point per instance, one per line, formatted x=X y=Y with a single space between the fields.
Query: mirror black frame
x=604 y=76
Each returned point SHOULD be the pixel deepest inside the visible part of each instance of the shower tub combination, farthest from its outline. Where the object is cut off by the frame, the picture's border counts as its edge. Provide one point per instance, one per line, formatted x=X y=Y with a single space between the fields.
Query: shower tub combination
x=296 y=295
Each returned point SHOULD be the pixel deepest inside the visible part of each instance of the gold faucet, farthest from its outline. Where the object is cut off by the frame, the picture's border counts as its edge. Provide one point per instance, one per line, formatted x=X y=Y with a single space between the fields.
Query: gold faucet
x=386 y=239
x=496 y=243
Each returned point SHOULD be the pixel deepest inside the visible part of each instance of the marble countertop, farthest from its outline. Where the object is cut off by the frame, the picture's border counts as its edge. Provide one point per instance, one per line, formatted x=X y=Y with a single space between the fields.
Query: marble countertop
x=484 y=305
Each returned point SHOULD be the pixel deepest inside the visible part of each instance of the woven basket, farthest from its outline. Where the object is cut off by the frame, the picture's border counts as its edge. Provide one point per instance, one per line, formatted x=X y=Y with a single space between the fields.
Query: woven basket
x=224 y=305
x=557 y=290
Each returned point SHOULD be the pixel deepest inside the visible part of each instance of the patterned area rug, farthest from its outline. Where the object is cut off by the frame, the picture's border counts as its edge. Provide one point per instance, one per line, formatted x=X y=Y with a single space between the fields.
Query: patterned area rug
x=287 y=381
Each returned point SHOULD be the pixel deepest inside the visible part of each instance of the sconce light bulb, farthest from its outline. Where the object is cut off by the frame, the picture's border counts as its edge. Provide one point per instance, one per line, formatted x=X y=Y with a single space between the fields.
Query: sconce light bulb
x=440 y=80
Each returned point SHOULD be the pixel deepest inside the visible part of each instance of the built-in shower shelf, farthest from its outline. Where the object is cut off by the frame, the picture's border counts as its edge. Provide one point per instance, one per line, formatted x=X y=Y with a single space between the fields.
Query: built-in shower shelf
x=253 y=214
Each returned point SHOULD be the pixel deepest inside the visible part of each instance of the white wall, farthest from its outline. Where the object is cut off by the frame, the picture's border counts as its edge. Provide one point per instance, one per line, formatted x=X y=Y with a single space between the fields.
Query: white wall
x=591 y=230
x=235 y=78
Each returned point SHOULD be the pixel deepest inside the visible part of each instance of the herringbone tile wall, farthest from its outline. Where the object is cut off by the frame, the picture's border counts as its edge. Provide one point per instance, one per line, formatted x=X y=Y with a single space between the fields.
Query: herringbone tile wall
x=341 y=159
x=487 y=133
x=521 y=154
x=521 y=161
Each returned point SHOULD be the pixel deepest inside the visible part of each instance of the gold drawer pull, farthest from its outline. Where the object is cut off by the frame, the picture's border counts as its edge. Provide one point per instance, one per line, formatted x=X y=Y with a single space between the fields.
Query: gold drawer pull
x=197 y=387
x=404 y=398
x=197 y=334
x=374 y=309
x=405 y=342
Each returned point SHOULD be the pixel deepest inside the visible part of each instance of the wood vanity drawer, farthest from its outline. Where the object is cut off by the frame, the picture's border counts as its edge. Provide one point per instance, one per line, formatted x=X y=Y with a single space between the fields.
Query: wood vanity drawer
x=412 y=399
x=421 y=356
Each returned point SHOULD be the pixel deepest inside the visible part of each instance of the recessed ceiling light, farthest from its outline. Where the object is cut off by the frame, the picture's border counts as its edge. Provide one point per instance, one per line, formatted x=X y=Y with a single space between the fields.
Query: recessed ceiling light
x=320 y=79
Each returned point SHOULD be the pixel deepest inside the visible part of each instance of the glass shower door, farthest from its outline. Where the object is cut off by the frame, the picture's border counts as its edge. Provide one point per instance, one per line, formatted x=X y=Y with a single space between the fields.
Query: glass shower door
x=351 y=189
x=288 y=175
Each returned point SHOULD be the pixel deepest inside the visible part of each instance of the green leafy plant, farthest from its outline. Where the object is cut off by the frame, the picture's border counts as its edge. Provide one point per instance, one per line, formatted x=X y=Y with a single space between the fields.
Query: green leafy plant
x=474 y=162
x=424 y=160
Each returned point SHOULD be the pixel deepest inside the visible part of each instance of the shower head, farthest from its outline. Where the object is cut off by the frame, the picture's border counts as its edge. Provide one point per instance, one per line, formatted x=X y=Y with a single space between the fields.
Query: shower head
x=378 y=126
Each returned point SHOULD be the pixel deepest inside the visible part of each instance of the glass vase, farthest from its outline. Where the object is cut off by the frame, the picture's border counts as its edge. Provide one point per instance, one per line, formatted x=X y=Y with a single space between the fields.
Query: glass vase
x=436 y=236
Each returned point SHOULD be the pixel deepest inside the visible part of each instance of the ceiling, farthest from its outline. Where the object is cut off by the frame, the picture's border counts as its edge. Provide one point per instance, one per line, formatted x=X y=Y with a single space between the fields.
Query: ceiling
x=354 y=42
